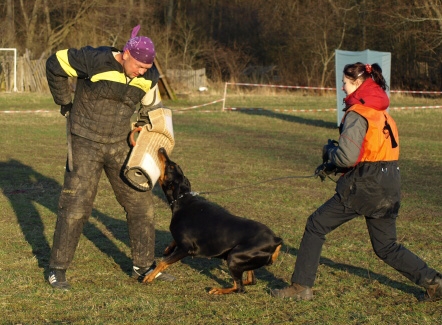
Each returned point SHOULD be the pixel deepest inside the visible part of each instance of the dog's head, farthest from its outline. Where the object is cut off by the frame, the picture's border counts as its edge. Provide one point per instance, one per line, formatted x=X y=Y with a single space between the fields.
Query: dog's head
x=172 y=179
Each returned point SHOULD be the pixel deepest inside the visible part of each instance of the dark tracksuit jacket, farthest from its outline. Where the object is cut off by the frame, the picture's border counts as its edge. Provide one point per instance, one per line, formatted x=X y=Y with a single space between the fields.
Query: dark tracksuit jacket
x=103 y=104
x=104 y=99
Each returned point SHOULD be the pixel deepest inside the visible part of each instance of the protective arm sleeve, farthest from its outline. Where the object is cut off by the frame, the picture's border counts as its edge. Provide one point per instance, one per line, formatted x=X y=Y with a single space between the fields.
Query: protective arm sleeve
x=152 y=99
x=346 y=154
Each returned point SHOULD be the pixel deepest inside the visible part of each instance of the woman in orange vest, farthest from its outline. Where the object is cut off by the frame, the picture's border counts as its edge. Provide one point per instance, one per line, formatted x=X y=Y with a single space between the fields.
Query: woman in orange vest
x=367 y=154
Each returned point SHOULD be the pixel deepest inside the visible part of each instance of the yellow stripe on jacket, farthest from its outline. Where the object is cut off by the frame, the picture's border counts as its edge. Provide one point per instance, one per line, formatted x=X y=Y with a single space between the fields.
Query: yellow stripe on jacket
x=62 y=57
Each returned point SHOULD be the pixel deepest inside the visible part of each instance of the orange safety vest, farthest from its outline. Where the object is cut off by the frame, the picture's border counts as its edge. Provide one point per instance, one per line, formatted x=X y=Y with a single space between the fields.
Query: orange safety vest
x=381 y=142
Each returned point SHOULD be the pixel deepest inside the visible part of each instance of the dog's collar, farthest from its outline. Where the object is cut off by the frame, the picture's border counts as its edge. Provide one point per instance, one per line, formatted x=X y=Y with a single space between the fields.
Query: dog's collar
x=181 y=196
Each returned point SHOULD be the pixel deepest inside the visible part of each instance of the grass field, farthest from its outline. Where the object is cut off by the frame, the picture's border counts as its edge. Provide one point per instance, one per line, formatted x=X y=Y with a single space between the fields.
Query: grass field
x=217 y=151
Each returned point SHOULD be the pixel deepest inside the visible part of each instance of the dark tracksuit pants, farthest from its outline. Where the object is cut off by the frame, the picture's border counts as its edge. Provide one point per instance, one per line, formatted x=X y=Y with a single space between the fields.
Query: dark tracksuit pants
x=79 y=190
x=382 y=233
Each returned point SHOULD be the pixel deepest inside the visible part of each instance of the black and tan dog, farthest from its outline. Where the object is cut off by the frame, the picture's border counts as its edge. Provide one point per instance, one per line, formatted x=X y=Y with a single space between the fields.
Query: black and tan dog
x=200 y=228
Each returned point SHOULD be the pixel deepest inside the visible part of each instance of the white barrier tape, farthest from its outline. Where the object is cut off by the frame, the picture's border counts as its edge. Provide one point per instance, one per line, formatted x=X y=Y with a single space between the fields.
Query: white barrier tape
x=414 y=107
x=15 y=112
x=327 y=88
x=278 y=86
x=279 y=110
x=196 y=106
x=249 y=109
x=315 y=110
x=244 y=109
x=416 y=91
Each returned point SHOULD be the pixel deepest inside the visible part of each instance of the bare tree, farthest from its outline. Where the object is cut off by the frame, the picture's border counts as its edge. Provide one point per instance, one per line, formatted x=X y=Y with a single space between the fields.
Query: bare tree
x=424 y=11
x=30 y=20
x=417 y=39
x=59 y=33
x=298 y=36
x=9 y=26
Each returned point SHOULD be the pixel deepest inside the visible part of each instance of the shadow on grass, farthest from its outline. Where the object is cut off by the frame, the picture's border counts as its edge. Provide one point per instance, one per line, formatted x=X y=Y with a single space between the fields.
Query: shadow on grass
x=291 y=118
x=363 y=273
x=24 y=187
x=217 y=270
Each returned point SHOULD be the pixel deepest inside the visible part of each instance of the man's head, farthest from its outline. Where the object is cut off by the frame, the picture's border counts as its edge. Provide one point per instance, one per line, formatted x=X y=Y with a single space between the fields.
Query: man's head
x=138 y=53
x=141 y=48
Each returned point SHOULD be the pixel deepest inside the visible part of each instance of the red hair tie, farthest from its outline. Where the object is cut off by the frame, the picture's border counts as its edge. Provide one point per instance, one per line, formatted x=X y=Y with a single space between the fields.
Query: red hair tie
x=368 y=68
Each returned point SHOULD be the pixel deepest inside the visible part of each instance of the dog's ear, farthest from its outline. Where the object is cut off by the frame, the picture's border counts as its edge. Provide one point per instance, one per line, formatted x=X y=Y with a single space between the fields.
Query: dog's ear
x=162 y=155
x=179 y=170
x=164 y=159
x=186 y=183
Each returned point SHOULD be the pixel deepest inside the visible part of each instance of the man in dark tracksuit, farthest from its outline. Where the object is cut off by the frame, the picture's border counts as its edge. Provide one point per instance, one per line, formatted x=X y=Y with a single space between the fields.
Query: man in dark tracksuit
x=110 y=83
x=367 y=153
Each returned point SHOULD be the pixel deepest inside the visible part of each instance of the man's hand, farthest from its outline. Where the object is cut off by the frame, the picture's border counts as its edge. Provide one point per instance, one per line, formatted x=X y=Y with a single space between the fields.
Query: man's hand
x=64 y=109
x=325 y=169
x=330 y=145
x=143 y=120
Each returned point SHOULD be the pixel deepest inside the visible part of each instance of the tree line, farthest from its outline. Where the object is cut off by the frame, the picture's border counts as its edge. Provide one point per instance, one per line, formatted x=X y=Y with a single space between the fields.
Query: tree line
x=290 y=42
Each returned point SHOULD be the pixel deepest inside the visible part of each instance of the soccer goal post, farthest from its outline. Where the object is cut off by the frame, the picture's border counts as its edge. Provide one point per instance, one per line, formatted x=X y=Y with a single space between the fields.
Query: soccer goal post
x=15 y=64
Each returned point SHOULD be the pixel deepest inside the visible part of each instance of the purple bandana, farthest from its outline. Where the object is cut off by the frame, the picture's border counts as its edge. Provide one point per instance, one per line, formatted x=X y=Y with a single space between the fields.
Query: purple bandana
x=141 y=48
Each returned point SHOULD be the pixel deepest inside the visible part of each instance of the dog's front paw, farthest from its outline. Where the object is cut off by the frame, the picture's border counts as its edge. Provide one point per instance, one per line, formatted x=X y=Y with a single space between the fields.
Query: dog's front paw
x=149 y=278
x=223 y=291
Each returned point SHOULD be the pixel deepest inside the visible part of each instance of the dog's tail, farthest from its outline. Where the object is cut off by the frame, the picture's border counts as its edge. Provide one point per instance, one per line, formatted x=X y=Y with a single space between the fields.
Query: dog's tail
x=276 y=252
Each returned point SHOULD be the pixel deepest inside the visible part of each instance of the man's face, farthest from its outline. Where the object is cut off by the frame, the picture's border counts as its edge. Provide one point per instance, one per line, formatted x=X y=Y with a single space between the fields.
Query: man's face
x=133 y=68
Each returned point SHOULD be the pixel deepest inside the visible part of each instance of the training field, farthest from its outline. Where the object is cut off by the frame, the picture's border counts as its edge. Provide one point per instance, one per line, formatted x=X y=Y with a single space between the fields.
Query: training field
x=237 y=152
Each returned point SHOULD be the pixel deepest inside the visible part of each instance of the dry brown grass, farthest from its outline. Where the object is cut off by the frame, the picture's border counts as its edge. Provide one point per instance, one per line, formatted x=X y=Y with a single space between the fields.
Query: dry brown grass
x=216 y=151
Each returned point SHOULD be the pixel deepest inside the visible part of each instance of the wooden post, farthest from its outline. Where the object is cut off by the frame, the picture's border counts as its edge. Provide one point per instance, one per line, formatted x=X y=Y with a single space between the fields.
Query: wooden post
x=163 y=83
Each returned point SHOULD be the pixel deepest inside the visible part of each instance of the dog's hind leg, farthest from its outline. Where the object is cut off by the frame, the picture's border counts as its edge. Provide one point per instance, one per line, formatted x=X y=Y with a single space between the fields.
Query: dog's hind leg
x=237 y=275
x=251 y=279
x=238 y=286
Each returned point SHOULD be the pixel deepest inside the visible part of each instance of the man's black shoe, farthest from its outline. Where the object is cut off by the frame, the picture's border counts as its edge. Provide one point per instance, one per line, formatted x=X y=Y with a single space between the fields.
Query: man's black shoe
x=57 y=279
x=139 y=273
